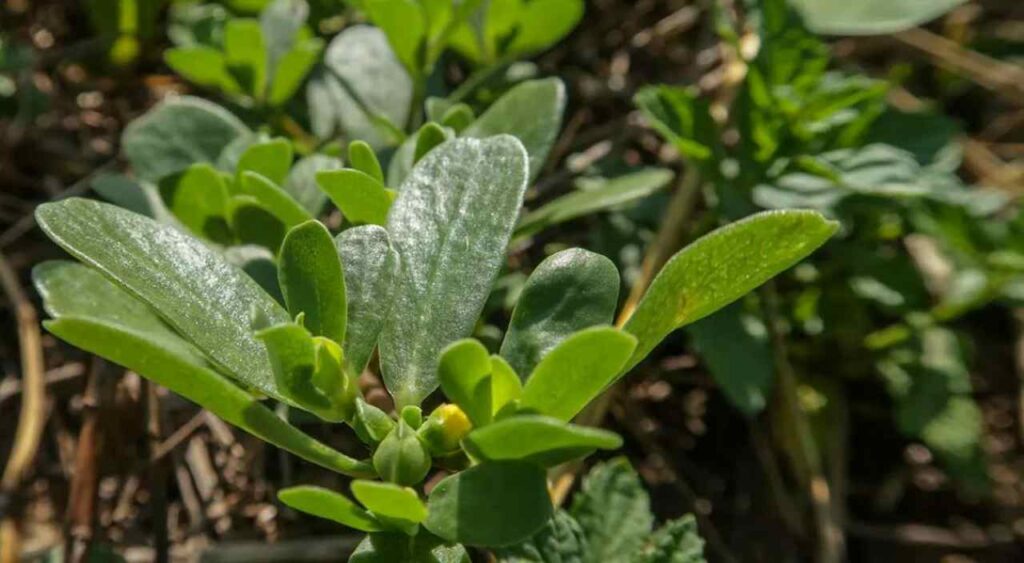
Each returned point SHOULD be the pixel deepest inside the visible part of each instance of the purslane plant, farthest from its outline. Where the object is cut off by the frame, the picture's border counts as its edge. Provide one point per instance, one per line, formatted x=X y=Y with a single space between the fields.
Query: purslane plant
x=160 y=302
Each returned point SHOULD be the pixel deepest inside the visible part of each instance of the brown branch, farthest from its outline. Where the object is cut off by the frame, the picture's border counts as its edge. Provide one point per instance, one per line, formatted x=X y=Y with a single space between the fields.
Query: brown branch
x=32 y=416
x=81 y=509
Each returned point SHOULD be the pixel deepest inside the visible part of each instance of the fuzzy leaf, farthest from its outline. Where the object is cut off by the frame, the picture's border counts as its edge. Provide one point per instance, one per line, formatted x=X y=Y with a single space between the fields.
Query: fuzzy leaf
x=201 y=65
x=538 y=439
x=96 y=315
x=292 y=69
x=491 y=505
x=270 y=159
x=721 y=267
x=370 y=265
x=312 y=281
x=361 y=198
x=274 y=199
x=362 y=158
x=569 y=291
x=364 y=91
x=465 y=375
x=870 y=17
x=330 y=505
x=610 y=194
x=450 y=227
x=178 y=133
x=193 y=289
x=246 y=54
x=198 y=197
x=576 y=371
x=531 y=112
x=390 y=501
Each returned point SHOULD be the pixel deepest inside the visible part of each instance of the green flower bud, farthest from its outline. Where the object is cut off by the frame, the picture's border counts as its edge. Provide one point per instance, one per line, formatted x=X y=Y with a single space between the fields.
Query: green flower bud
x=402 y=458
x=444 y=429
x=329 y=376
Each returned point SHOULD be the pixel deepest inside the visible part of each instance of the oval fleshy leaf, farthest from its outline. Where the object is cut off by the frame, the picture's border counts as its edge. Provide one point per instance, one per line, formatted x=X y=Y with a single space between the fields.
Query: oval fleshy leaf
x=531 y=112
x=312 y=280
x=569 y=291
x=397 y=507
x=199 y=294
x=271 y=159
x=99 y=317
x=576 y=371
x=538 y=439
x=360 y=198
x=490 y=505
x=450 y=227
x=178 y=133
x=465 y=374
x=329 y=505
x=721 y=267
x=370 y=266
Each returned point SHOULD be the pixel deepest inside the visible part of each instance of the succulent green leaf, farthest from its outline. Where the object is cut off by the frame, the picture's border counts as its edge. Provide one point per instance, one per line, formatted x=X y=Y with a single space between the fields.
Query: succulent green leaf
x=254 y=224
x=329 y=505
x=404 y=23
x=428 y=137
x=312 y=281
x=721 y=267
x=178 y=133
x=193 y=289
x=281 y=23
x=492 y=504
x=271 y=159
x=531 y=112
x=422 y=548
x=364 y=91
x=394 y=505
x=274 y=199
x=360 y=197
x=198 y=198
x=542 y=24
x=614 y=511
x=246 y=55
x=538 y=439
x=450 y=226
x=301 y=181
x=201 y=65
x=292 y=69
x=505 y=384
x=870 y=17
x=608 y=195
x=576 y=371
x=465 y=374
x=370 y=266
x=362 y=158
x=569 y=291
x=293 y=356
x=96 y=315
